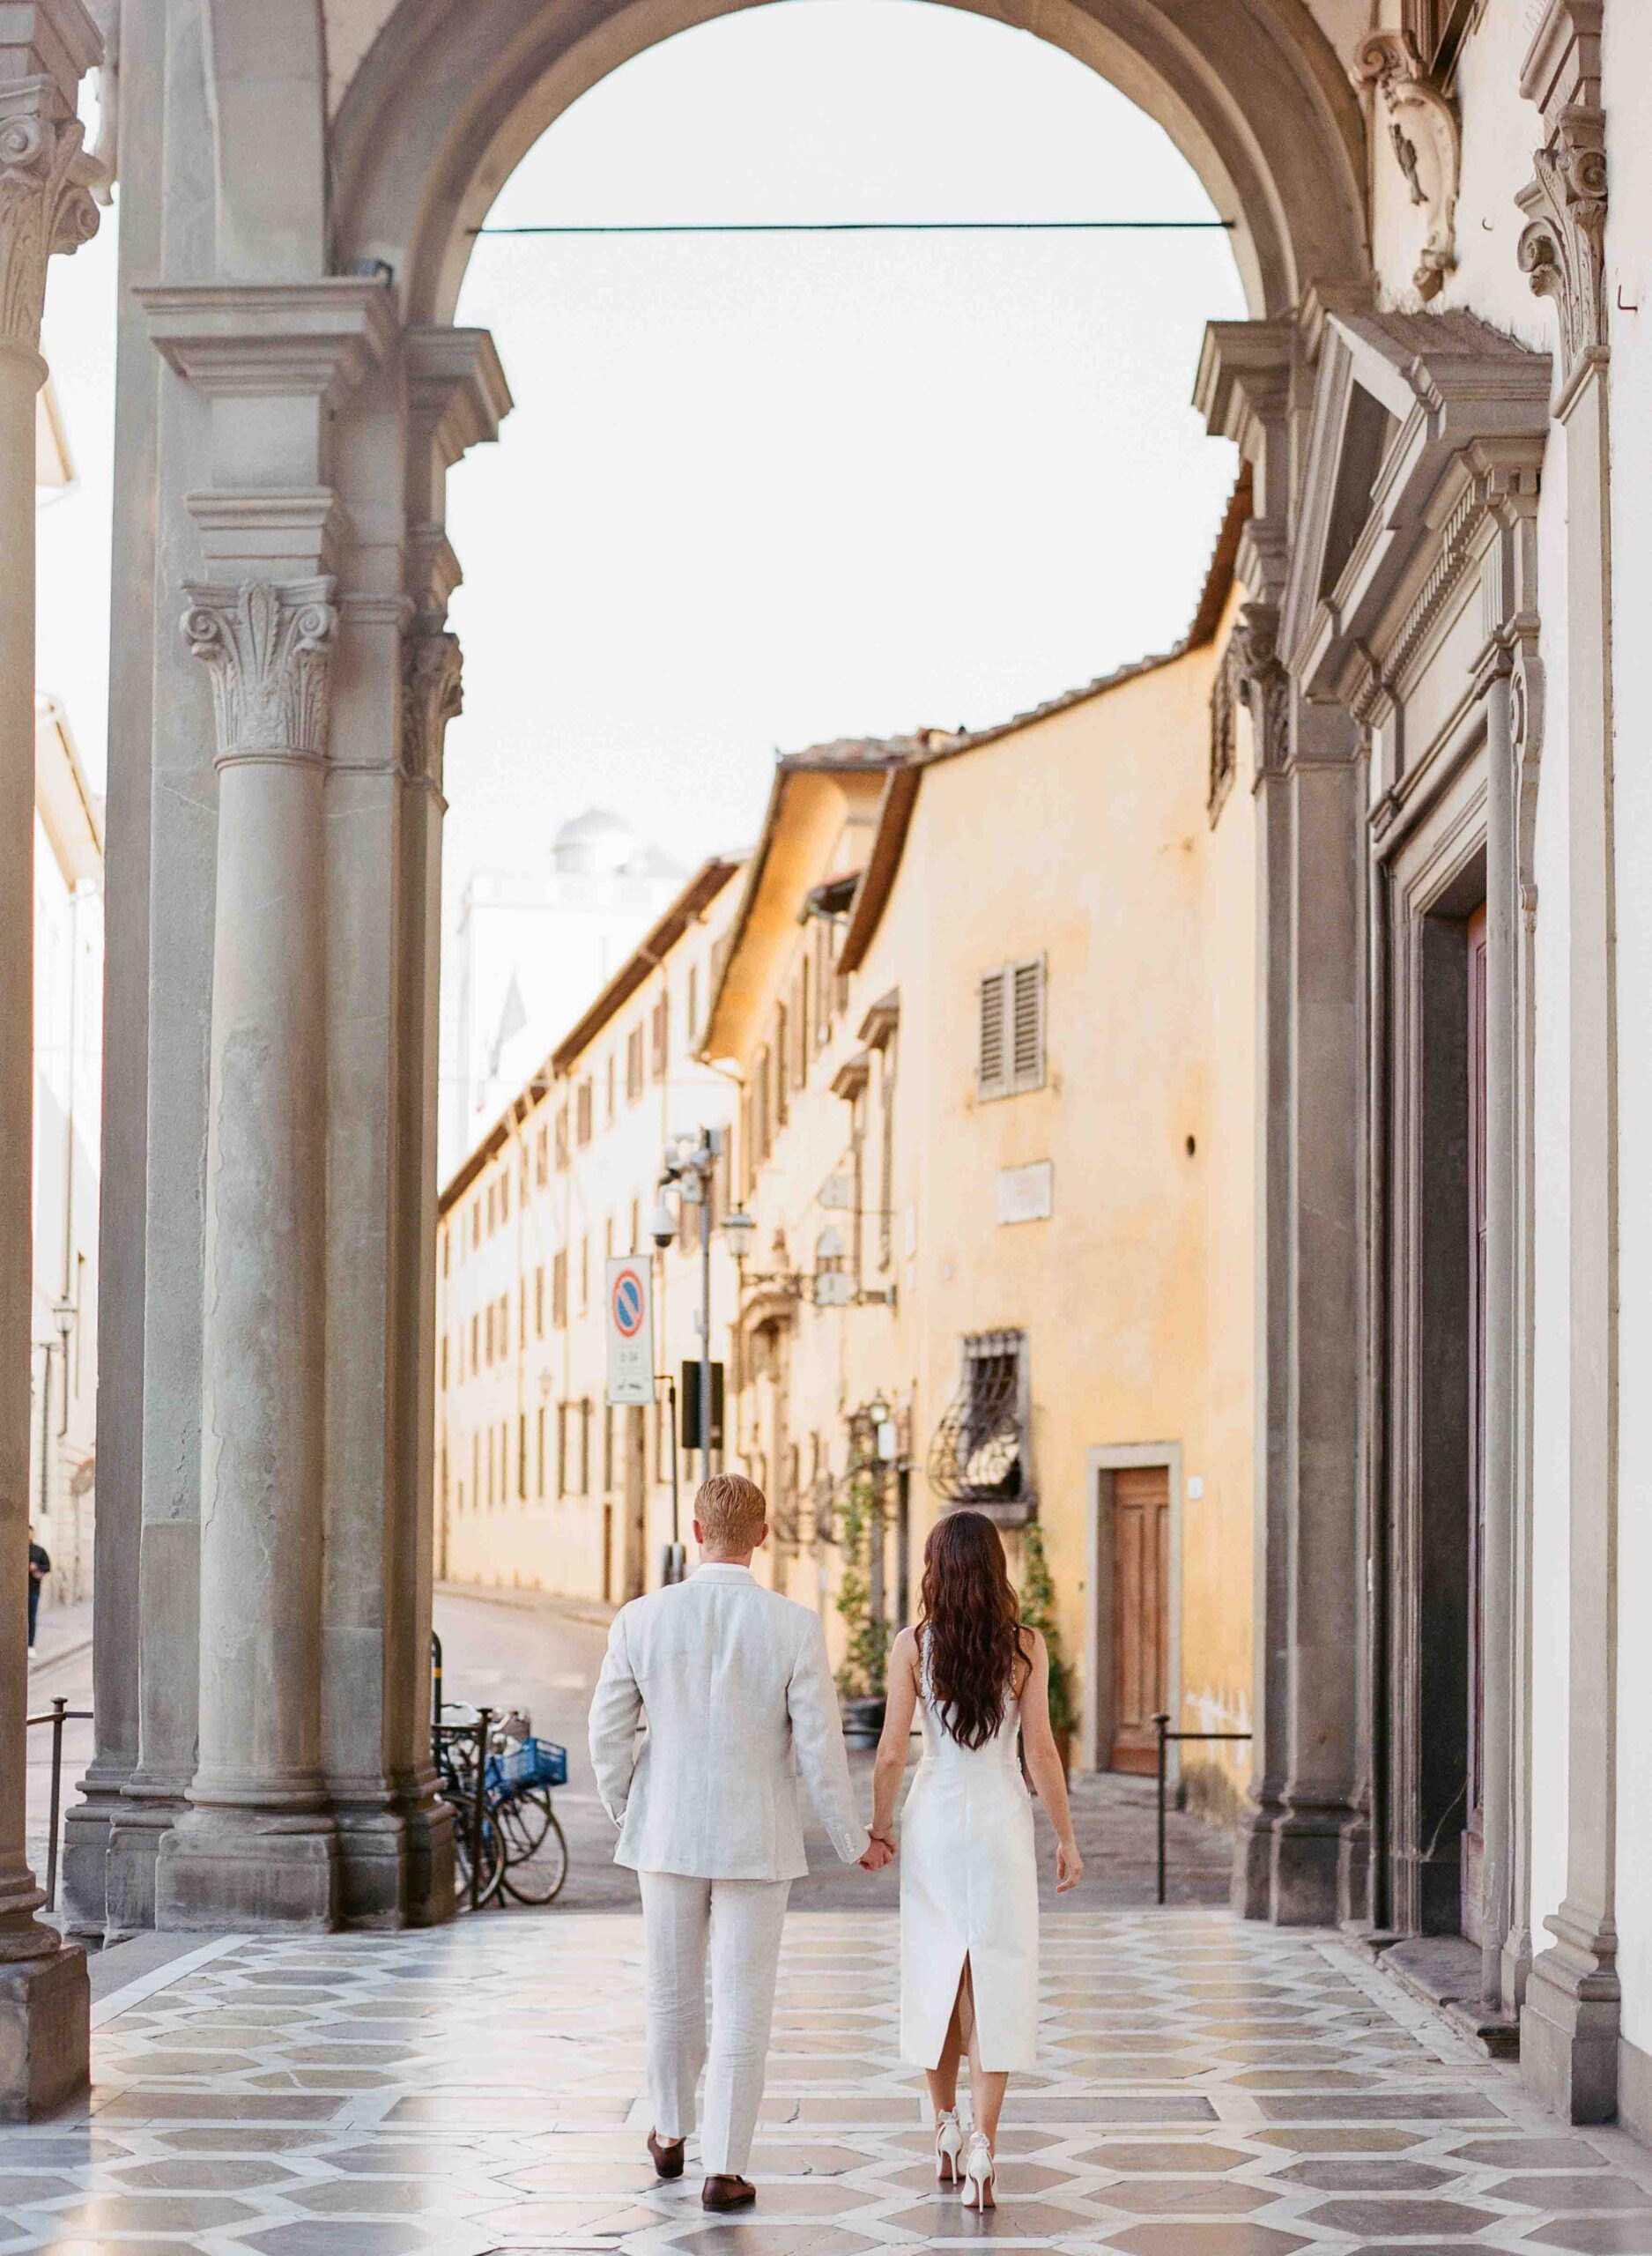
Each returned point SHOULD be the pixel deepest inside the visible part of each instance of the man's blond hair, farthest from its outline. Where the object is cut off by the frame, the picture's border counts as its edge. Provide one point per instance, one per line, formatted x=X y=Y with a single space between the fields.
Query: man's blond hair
x=732 y=1512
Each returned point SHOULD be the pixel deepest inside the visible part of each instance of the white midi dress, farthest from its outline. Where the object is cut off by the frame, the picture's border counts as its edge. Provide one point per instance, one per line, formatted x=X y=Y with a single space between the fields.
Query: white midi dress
x=968 y=1890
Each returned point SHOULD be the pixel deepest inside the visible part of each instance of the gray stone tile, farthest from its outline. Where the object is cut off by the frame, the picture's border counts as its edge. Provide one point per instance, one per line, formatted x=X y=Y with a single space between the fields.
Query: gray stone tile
x=1240 y=2239
x=157 y=2213
x=222 y=2174
x=1372 y=2218
x=1599 y=2236
x=1533 y=2153
x=1155 y=2155
x=327 y=2236
x=1188 y=2197
x=1368 y=2174
x=756 y=2238
x=1567 y=2192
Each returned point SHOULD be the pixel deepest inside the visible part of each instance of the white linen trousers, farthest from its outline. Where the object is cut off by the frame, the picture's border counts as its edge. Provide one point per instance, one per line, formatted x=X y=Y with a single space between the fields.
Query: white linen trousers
x=741 y=1921
x=970 y=1890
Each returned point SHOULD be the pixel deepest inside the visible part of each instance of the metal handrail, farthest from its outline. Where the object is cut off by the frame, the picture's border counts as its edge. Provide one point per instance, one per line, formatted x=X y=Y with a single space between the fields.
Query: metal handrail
x=1161 y=1724
x=61 y=1713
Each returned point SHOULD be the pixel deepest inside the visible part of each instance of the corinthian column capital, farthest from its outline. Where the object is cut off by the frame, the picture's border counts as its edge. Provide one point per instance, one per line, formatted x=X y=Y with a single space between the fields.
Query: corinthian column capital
x=46 y=202
x=268 y=646
x=1562 y=246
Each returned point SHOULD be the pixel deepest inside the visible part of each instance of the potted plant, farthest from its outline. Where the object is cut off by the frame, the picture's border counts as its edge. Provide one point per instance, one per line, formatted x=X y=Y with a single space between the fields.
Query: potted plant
x=1038 y=1612
x=863 y=1680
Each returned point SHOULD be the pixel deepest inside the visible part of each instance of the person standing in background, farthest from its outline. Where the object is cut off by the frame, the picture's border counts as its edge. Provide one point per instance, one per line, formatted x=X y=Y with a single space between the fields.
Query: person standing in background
x=39 y=1567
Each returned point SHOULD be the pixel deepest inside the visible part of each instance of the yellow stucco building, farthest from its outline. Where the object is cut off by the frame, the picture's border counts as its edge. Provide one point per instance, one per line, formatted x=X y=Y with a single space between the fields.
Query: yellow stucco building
x=990 y=999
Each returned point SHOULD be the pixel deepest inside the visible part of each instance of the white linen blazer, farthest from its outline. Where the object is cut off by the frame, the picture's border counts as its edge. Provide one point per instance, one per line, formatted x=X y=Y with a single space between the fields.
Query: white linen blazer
x=735 y=1686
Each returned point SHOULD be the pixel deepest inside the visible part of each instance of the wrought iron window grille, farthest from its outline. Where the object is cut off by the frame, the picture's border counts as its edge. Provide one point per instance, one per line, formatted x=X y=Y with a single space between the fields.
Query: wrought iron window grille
x=978 y=1454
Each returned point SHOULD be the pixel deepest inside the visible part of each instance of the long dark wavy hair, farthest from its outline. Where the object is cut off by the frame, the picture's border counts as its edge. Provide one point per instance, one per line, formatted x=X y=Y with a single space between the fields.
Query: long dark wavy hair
x=969 y=1626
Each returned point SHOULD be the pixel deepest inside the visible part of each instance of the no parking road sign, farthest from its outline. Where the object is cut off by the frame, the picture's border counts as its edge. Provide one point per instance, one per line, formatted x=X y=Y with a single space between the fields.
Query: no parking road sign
x=630 y=1331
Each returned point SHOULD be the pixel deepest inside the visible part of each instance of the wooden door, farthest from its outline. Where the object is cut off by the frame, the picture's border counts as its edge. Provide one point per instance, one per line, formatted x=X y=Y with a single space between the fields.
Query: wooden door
x=1141 y=1612
x=1473 y=1831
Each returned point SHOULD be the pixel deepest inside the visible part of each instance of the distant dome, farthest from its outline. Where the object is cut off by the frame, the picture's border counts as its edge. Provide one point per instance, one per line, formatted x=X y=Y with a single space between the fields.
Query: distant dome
x=596 y=843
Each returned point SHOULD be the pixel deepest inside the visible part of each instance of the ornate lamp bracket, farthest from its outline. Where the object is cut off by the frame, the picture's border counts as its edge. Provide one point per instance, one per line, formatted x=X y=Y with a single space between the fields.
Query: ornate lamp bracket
x=1428 y=143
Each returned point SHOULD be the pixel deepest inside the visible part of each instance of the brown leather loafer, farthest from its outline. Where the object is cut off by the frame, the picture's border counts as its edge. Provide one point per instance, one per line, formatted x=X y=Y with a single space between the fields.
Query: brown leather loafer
x=667 y=2154
x=722 y=2193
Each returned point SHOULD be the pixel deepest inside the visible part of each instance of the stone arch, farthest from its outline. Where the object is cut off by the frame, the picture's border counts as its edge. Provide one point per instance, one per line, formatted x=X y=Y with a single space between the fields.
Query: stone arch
x=447 y=103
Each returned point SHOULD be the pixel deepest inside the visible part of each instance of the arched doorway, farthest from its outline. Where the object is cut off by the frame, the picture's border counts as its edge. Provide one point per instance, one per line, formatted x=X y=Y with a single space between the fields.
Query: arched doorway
x=262 y=1760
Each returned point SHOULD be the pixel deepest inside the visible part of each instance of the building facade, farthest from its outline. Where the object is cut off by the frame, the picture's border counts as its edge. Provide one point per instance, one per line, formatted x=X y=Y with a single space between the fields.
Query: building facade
x=540 y=1483
x=997 y=1057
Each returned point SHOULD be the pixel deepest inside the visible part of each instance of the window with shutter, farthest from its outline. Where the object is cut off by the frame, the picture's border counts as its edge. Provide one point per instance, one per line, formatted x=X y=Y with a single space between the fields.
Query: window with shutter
x=781 y=1047
x=559 y=1290
x=1026 y=1065
x=633 y=1065
x=991 y=1077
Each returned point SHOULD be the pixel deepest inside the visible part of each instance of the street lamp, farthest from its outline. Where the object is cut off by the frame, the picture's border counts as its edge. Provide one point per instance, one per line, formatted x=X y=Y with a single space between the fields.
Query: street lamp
x=689 y=1163
x=738 y=1229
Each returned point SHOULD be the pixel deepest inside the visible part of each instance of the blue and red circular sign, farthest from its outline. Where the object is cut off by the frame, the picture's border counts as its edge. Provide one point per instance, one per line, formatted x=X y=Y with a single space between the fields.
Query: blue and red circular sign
x=628 y=1304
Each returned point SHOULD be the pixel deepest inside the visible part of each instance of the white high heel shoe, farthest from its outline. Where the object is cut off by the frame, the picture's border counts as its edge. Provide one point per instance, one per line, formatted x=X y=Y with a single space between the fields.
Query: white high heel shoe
x=949 y=2144
x=980 y=2174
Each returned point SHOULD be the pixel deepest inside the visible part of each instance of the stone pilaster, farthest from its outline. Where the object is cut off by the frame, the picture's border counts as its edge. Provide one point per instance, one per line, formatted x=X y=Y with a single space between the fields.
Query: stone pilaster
x=45 y=206
x=1569 y=2025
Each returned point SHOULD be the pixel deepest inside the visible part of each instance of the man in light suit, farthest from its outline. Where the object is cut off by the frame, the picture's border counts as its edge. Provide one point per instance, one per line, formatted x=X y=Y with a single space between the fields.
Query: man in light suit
x=735 y=1686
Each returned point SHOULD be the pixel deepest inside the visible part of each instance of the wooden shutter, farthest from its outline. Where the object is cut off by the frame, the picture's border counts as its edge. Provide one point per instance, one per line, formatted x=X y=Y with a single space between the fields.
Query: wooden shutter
x=991 y=1065
x=1026 y=994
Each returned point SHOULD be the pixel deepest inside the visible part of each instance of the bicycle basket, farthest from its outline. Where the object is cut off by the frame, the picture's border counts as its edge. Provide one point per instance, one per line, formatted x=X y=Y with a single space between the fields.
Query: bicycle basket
x=536 y=1762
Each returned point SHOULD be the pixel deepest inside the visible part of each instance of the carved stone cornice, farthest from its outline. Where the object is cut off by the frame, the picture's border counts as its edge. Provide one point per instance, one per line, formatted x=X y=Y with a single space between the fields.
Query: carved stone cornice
x=433 y=667
x=268 y=646
x=46 y=202
x=1428 y=143
x=1562 y=246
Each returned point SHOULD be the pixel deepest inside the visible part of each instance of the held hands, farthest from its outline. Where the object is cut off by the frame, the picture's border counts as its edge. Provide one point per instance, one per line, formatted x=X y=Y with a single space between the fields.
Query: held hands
x=1069 y=1865
x=880 y=1851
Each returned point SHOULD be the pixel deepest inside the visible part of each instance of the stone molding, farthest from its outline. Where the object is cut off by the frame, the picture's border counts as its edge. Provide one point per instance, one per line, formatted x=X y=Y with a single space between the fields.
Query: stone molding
x=272 y=340
x=268 y=646
x=1562 y=246
x=432 y=694
x=1265 y=687
x=46 y=202
x=1426 y=140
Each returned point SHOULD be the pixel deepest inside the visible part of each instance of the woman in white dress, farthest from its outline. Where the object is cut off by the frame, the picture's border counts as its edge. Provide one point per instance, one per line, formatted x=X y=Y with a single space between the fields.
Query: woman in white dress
x=968 y=1868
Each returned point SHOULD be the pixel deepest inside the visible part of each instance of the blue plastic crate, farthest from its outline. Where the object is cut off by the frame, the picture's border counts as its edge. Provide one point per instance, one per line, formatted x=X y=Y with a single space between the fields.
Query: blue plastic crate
x=536 y=1762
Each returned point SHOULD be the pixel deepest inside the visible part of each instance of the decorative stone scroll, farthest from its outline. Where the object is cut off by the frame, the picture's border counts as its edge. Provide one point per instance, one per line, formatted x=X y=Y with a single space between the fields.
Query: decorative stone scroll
x=1562 y=247
x=268 y=646
x=1426 y=141
x=432 y=695
x=1253 y=648
x=46 y=203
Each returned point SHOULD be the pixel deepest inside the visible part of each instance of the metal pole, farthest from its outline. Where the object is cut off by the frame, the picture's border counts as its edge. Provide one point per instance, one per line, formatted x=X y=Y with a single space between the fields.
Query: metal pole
x=59 y=1706
x=674 y=1549
x=46 y=1433
x=1161 y=1725
x=704 y=1312
x=435 y=1678
x=485 y=1717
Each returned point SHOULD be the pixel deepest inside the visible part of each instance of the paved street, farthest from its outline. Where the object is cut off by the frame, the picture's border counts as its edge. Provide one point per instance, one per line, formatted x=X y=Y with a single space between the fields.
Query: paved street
x=1204 y=2089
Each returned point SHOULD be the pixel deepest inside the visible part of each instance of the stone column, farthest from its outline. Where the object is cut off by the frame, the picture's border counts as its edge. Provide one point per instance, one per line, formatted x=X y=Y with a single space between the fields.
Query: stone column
x=1570 y=2022
x=272 y=362
x=45 y=206
x=258 y=1847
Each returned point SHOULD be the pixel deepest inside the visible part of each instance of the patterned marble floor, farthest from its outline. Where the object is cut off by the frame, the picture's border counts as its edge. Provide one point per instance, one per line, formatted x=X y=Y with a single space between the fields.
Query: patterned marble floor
x=1205 y=2089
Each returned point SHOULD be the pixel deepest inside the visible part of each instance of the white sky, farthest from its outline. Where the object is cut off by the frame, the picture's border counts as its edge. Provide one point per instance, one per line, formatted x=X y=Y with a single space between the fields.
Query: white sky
x=758 y=493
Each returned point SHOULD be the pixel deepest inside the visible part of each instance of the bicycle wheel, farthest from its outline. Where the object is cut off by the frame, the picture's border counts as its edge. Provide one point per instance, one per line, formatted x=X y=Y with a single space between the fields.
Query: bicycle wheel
x=532 y=1808
x=493 y=1869
x=536 y=1857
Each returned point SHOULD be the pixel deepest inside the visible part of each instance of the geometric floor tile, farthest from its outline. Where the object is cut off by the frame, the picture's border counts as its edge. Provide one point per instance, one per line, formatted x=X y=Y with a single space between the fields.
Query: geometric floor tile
x=484 y=2092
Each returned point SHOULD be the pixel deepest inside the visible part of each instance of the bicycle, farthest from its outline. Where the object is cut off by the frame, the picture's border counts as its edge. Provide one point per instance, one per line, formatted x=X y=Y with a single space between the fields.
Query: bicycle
x=521 y=1852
